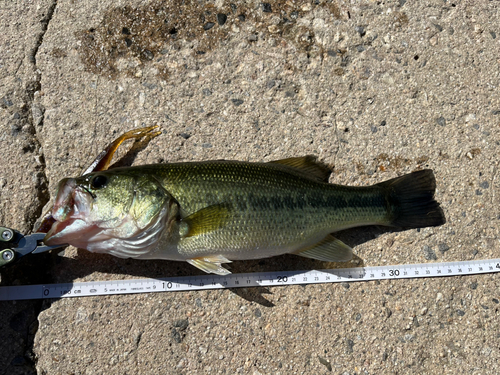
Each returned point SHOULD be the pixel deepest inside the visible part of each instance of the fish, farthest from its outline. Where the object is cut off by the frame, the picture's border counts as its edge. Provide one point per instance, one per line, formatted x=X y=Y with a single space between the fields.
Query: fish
x=210 y=213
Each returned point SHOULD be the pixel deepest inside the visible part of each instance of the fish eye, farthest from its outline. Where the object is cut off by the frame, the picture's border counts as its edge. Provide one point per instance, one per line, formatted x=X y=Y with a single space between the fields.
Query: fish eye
x=98 y=182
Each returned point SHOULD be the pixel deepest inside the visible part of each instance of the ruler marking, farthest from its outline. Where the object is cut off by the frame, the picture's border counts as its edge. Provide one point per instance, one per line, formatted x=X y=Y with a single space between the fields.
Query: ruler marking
x=182 y=283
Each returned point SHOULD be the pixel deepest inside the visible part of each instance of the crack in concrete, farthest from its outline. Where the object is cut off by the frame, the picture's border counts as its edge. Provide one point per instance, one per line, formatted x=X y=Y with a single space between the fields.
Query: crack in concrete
x=35 y=119
x=45 y=24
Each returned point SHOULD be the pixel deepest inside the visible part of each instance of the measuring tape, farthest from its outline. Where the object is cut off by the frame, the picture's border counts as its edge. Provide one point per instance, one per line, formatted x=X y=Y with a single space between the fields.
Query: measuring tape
x=246 y=280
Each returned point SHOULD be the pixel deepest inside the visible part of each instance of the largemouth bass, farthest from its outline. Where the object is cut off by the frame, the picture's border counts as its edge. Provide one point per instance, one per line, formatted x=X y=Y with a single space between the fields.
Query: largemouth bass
x=210 y=213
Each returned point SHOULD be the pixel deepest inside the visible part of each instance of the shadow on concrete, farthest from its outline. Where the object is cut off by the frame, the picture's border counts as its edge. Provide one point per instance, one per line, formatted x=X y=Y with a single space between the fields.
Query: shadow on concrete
x=19 y=318
x=65 y=270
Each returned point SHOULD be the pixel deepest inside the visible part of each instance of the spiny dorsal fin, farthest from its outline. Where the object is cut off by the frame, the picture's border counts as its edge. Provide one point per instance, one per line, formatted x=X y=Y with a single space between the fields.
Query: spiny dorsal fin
x=309 y=165
x=329 y=249
x=205 y=220
x=211 y=264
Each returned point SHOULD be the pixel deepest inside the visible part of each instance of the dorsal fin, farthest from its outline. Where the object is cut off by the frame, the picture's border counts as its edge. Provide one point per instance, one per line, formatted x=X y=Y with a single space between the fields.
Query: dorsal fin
x=308 y=165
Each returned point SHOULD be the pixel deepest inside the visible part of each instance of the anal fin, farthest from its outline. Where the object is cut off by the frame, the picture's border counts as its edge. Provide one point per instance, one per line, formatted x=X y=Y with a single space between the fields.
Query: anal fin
x=211 y=264
x=329 y=249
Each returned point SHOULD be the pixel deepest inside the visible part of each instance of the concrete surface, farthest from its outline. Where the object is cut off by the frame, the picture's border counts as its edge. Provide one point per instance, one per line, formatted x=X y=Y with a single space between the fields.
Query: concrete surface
x=375 y=89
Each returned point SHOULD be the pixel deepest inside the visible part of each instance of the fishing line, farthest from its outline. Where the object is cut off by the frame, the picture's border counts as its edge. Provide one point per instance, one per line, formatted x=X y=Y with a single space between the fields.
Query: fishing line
x=248 y=280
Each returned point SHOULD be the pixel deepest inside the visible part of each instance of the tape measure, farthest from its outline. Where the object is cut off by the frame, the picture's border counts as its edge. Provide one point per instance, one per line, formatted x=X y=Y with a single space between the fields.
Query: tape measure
x=246 y=280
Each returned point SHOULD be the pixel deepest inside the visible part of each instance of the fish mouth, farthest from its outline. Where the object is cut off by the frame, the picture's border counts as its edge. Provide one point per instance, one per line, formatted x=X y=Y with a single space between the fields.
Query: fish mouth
x=71 y=211
x=78 y=223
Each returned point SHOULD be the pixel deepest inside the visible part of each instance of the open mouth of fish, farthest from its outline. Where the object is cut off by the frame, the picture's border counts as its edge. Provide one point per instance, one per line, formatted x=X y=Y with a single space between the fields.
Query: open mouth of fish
x=78 y=222
x=72 y=206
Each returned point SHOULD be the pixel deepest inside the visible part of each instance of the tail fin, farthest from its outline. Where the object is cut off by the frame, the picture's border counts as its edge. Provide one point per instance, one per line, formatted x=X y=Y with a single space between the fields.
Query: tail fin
x=411 y=200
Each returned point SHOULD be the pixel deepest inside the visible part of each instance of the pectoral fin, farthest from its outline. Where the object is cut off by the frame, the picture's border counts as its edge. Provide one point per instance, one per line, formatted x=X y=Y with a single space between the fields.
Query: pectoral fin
x=205 y=220
x=211 y=264
x=328 y=249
